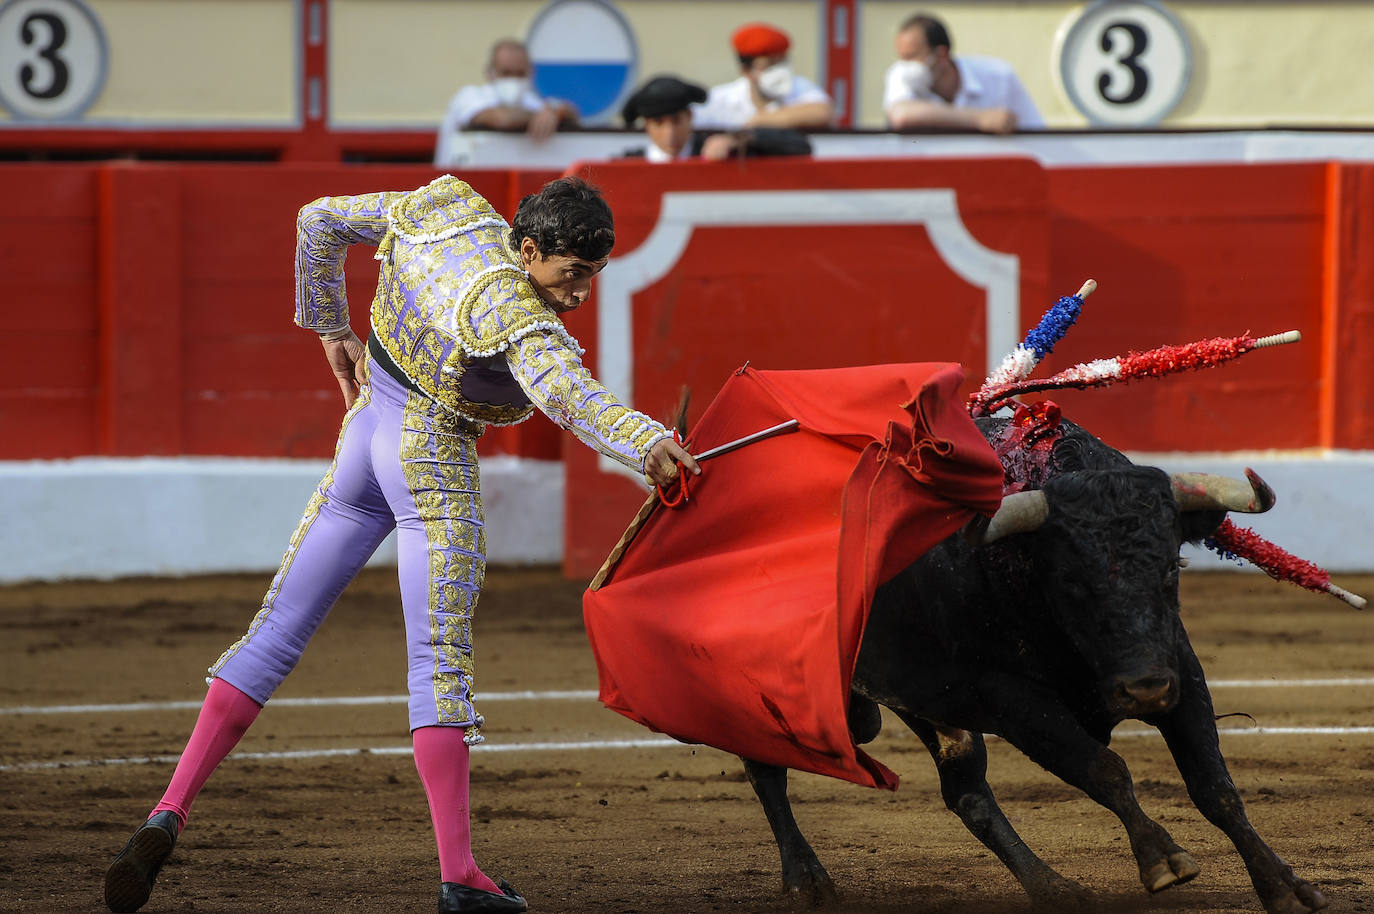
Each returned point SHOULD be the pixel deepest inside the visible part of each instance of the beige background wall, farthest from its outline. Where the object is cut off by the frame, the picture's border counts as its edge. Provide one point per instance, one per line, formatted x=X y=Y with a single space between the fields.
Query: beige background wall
x=193 y=62
x=421 y=52
x=1254 y=63
x=396 y=63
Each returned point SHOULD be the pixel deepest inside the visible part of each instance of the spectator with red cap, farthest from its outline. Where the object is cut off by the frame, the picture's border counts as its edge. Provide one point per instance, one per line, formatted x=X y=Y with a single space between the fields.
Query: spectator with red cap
x=767 y=93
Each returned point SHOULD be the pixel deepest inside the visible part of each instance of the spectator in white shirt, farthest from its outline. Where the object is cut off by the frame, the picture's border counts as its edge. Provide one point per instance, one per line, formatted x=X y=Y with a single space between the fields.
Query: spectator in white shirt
x=506 y=101
x=929 y=87
x=768 y=93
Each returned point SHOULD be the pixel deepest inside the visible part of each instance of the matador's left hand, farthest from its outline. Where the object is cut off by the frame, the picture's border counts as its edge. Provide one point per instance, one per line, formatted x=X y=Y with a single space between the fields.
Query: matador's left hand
x=347 y=357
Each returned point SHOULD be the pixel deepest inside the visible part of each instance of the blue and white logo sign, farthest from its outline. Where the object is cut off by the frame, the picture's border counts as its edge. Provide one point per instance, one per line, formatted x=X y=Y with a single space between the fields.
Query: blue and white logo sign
x=584 y=52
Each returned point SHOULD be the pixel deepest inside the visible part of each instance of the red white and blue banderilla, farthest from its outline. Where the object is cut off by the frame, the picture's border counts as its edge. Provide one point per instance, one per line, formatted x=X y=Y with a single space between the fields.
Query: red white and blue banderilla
x=1012 y=378
x=1133 y=366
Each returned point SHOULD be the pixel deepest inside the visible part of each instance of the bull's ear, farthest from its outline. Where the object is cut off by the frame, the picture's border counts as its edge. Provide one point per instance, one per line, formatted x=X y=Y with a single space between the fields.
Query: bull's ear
x=1198 y=525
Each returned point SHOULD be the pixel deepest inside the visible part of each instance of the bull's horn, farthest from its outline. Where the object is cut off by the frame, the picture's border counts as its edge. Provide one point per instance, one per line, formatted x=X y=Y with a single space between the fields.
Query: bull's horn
x=1021 y=512
x=1207 y=492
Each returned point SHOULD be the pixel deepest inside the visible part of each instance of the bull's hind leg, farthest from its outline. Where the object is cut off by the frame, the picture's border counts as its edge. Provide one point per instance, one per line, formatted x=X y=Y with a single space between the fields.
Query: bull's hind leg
x=802 y=874
x=803 y=877
x=1191 y=732
x=962 y=761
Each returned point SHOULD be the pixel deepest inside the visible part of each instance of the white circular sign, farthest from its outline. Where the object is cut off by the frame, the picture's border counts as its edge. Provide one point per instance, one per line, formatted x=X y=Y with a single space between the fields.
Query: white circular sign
x=584 y=52
x=53 y=59
x=1124 y=63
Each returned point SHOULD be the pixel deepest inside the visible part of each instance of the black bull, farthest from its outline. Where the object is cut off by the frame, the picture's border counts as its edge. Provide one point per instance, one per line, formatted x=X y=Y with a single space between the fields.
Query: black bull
x=1049 y=639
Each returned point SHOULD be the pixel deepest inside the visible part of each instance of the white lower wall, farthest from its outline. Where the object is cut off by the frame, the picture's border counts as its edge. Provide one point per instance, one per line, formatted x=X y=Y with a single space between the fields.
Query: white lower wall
x=105 y=518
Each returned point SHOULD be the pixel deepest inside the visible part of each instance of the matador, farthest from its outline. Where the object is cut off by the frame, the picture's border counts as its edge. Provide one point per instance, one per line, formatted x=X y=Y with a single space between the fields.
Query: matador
x=465 y=333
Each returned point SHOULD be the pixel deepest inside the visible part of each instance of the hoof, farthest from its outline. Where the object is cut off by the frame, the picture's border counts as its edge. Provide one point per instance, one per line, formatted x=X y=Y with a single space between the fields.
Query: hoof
x=1304 y=899
x=1059 y=894
x=811 y=891
x=1179 y=868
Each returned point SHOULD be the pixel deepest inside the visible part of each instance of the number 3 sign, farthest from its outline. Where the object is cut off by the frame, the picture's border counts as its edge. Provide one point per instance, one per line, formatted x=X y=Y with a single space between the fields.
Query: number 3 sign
x=1124 y=63
x=52 y=59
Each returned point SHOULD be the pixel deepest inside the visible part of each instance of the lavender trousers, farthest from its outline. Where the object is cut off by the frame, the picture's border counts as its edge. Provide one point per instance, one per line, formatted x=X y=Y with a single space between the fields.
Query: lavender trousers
x=401 y=463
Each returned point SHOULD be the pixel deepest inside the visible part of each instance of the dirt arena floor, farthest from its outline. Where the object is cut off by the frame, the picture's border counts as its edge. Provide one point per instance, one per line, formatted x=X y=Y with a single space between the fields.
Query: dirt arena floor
x=656 y=828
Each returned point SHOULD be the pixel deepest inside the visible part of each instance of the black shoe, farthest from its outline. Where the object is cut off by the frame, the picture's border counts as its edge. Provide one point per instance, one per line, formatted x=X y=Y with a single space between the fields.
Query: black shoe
x=129 y=880
x=456 y=898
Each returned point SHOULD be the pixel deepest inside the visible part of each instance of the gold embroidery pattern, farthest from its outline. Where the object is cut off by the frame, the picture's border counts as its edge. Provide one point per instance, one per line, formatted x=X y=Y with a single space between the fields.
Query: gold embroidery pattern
x=324 y=230
x=555 y=378
x=312 y=513
x=496 y=313
x=445 y=205
x=439 y=461
x=429 y=290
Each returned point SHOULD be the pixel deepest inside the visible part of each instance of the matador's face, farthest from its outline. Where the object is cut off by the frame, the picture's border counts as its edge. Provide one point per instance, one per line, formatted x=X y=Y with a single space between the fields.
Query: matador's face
x=563 y=281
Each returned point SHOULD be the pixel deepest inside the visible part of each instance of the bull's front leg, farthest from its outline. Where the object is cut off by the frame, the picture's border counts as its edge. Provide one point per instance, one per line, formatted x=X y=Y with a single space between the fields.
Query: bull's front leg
x=1042 y=728
x=803 y=877
x=961 y=759
x=1191 y=733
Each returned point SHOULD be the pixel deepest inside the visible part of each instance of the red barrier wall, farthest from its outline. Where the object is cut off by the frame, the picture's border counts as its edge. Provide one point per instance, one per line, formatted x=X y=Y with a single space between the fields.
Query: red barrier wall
x=1347 y=384
x=1180 y=253
x=1186 y=253
x=808 y=295
x=48 y=285
x=149 y=309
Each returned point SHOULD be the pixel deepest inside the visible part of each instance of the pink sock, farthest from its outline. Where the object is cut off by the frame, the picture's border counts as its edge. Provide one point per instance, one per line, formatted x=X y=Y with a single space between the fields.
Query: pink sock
x=224 y=718
x=441 y=757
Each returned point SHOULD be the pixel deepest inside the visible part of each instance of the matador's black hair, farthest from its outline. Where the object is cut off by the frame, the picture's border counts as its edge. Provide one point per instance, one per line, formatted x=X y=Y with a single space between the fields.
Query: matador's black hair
x=567 y=218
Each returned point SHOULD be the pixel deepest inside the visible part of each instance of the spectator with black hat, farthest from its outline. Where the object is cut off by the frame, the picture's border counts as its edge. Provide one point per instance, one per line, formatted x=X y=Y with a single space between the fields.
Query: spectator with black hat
x=665 y=105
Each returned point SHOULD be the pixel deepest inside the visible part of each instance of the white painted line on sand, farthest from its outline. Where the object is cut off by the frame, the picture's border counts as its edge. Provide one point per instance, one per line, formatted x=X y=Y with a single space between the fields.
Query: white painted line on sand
x=330 y=701
x=1262 y=731
x=1283 y=683
x=652 y=742
x=555 y=695
x=644 y=743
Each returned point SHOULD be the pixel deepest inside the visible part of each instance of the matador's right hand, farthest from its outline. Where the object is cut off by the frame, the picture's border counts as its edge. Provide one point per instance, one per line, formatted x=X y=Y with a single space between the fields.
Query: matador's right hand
x=661 y=464
x=347 y=357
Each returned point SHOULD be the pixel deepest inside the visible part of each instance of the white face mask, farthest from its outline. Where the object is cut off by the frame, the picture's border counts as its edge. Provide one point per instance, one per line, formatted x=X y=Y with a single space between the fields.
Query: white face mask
x=776 y=81
x=917 y=76
x=510 y=89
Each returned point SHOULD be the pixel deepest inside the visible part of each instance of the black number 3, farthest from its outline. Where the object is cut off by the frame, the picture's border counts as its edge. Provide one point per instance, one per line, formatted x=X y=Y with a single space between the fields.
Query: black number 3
x=59 y=76
x=1140 y=79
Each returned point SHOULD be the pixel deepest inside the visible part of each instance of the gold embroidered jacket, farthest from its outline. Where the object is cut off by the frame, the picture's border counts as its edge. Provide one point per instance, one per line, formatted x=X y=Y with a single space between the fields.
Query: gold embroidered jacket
x=458 y=315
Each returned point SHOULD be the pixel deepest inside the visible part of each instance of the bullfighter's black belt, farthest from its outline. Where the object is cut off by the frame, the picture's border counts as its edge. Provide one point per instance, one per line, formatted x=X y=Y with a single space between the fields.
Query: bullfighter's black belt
x=387 y=364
